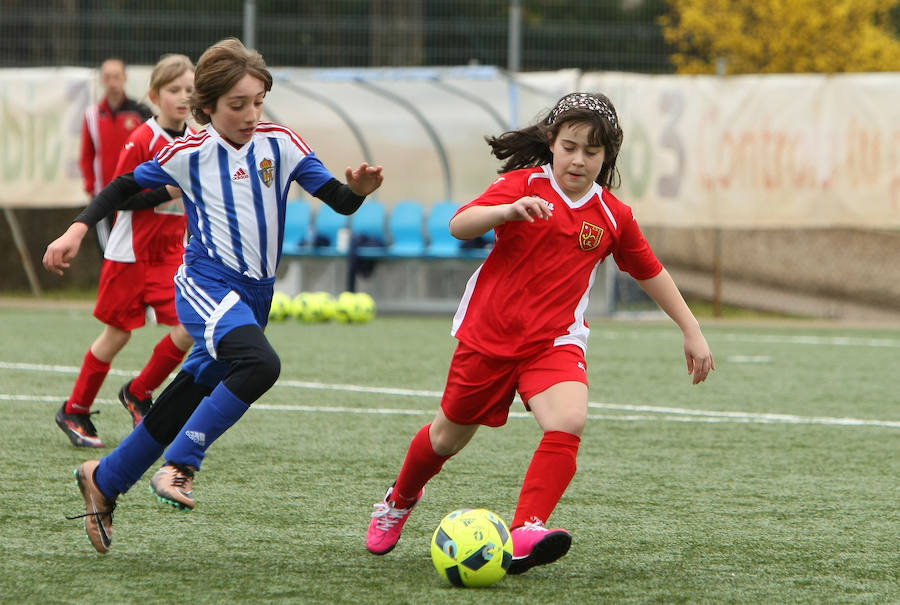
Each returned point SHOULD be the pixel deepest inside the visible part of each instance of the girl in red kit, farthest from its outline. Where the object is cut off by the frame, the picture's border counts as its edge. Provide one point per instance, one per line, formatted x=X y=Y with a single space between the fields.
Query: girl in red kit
x=144 y=250
x=520 y=324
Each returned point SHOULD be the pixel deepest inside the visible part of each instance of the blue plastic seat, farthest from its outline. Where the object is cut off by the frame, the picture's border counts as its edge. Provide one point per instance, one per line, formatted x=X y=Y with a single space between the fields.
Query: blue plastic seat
x=367 y=229
x=326 y=227
x=479 y=247
x=297 y=216
x=406 y=237
x=441 y=243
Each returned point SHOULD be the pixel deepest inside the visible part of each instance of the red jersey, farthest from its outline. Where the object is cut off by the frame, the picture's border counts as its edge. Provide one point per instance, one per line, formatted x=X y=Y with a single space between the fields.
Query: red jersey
x=532 y=290
x=103 y=134
x=155 y=234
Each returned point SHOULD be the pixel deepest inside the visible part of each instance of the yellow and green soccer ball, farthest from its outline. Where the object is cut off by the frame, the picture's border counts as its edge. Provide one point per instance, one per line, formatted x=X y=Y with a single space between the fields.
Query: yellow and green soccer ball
x=326 y=305
x=313 y=306
x=354 y=307
x=472 y=547
x=281 y=307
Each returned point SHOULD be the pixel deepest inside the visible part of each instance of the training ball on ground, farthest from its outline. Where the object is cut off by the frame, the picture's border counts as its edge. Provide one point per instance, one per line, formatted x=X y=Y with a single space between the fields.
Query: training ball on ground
x=353 y=307
x=281 y=306
x=472 y=547
x=365 y=307
x=326 y=306
x=306 y=308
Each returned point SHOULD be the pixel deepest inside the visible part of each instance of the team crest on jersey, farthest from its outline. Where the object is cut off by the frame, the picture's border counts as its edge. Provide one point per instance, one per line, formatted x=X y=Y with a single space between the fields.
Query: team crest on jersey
x=590 y=235
x=267 y=171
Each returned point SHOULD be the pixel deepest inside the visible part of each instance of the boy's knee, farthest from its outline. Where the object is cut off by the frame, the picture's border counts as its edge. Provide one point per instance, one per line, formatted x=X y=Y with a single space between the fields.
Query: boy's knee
x=254 y=366
x=268 y=368
x=255 y=375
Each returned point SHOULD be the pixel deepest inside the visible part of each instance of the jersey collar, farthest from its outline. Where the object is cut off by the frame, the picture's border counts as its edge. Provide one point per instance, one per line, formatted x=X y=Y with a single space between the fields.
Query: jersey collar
x=594 y=190
x=232 y=150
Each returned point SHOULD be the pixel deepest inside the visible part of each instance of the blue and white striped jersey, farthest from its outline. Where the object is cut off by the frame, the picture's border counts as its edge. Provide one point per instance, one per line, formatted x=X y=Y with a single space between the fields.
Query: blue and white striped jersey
x=235 y=198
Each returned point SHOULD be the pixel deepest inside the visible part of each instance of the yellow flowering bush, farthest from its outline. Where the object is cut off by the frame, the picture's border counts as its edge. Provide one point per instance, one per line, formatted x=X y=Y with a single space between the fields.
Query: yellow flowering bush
x=782 y=36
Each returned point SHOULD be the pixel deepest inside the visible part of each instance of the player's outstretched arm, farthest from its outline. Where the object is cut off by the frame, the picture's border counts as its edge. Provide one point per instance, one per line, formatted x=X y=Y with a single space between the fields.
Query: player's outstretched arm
x=64 y=248
x=664 y=292
x=365 y=179
x=114 y=196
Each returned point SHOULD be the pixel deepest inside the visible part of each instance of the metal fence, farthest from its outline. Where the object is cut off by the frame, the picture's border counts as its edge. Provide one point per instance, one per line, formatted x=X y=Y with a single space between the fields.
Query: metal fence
x=621 y=35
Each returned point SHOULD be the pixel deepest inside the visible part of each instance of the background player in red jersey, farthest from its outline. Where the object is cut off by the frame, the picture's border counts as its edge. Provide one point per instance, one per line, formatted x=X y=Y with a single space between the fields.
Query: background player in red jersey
x=105 y=129
x=144 y=251
x=520 y=324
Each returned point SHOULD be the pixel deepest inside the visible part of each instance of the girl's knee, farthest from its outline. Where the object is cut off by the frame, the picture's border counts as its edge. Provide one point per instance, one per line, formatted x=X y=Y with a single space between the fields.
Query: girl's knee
x=448 y=438
x=573 y=421
x=569 y=421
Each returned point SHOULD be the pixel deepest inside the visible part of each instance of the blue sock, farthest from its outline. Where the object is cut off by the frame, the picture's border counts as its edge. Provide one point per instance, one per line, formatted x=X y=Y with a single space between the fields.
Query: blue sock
x=215 y=415
x=125 y=465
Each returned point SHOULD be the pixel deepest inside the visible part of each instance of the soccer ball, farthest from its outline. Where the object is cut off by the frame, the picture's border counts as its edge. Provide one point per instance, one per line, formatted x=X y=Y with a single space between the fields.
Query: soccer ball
x=327 y=306
x=305 y=307
x=281 y=306
x=365 y=307
x=472 y=547
x=352 y=307
x=313 y=306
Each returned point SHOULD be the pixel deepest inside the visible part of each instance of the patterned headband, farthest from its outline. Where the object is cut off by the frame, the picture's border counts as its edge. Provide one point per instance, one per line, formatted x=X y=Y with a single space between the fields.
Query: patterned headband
x=583 y=100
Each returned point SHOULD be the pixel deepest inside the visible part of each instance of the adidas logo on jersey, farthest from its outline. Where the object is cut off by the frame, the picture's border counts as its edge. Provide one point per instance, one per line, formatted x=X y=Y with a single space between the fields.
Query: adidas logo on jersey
x=197 y=437
x=240 y=175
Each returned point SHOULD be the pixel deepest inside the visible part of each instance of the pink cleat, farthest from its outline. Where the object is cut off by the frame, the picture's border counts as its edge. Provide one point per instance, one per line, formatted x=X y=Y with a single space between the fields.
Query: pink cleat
x=387 y=523
x=533 y=544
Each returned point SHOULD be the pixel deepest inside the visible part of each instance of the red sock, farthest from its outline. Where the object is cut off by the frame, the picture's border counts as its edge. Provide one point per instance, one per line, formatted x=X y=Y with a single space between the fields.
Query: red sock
x=90 y=379
x=166 y=357
x=548 y=476
x=421 y=464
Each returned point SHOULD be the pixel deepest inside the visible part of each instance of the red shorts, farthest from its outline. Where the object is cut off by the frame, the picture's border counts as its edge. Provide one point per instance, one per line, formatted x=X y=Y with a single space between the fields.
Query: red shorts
x=127 y=289
x=480 y=389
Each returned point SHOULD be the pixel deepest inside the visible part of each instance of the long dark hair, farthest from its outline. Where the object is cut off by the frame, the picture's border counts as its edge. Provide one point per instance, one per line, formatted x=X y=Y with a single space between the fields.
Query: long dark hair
x=530 y=146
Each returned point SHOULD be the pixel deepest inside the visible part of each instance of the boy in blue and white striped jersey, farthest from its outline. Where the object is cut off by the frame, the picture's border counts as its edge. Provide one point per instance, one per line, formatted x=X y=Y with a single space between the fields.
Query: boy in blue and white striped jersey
x=234 y=177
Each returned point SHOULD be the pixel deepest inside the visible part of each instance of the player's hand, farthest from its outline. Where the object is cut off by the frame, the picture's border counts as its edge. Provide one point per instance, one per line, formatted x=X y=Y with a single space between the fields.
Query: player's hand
x=699 y=358
x=365 y=179
x=528 y=209
x=64 y=248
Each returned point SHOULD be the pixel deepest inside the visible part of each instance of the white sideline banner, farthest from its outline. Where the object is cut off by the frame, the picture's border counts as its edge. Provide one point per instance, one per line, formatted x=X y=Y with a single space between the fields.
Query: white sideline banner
x=764 y=151
x=41 y=112
x=759 y=151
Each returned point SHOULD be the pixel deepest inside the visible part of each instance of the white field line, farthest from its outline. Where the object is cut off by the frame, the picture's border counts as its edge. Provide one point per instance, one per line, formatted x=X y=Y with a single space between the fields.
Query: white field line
x=37 y=367
x=646 y=412
x=799 y=339
x=749 y=359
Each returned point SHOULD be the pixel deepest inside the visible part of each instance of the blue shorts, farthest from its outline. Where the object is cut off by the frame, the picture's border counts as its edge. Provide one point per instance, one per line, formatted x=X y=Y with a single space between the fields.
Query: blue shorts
x=212 y=301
